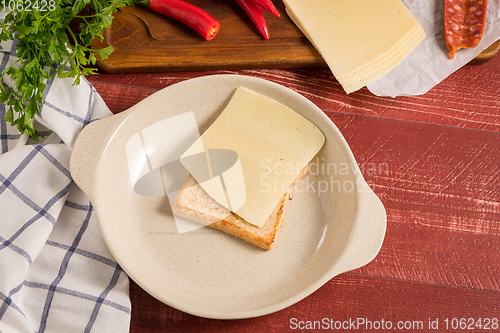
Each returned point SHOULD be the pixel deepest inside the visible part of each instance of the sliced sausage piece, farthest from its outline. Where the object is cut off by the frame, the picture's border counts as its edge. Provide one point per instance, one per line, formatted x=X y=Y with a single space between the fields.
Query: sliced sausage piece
x=464 y=22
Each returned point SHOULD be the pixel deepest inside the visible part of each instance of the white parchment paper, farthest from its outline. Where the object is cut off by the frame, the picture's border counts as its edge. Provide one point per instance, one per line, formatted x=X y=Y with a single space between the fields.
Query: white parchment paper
x=429 y=63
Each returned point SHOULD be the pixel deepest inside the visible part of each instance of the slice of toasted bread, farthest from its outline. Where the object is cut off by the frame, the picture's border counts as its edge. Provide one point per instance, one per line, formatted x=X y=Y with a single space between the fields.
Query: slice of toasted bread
x=195 y=204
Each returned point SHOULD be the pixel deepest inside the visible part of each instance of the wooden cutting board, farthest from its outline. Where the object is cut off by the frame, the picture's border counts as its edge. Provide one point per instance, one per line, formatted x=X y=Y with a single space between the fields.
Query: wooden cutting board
x=145 y=41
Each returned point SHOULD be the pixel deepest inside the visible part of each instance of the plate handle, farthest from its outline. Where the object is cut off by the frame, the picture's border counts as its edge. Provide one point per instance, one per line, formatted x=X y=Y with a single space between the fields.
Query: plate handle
x=368 y=232
x=88 y=150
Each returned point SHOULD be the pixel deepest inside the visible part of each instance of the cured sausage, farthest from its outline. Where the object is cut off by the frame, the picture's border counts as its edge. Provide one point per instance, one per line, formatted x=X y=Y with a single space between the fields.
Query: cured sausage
x=464 y=22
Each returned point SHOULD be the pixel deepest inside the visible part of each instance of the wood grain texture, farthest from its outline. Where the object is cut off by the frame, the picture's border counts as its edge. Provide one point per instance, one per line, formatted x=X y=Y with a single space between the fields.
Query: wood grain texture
x=468 y=98
x=441 y=188
x=346 y=297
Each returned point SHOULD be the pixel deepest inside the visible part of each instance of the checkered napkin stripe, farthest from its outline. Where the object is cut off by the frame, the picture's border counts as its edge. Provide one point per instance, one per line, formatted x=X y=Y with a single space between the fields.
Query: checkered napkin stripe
x=56 y=274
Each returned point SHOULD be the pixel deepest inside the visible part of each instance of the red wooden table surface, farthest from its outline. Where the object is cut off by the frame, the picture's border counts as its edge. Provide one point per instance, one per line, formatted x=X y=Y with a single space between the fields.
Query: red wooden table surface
x=434 y=160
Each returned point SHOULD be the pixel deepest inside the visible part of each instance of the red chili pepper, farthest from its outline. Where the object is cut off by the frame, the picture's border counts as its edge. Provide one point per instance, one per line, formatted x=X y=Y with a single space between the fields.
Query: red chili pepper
x=267 y=5
x=188 y=14
x=255 y=13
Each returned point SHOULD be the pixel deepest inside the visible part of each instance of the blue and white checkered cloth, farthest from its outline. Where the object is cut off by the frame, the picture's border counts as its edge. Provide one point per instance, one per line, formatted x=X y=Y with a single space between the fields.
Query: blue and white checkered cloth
x=56 y=273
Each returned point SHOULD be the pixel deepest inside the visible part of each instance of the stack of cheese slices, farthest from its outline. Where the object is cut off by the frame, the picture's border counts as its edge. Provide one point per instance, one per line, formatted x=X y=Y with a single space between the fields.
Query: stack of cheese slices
x=360 y=40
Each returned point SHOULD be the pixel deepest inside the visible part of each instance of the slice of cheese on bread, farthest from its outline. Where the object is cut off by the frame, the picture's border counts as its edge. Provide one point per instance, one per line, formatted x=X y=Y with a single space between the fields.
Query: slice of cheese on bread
x=271 y=144
x=243 y=166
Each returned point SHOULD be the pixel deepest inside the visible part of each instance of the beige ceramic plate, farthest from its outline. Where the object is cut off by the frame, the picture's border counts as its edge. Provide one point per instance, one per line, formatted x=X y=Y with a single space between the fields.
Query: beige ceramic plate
x=335 y=222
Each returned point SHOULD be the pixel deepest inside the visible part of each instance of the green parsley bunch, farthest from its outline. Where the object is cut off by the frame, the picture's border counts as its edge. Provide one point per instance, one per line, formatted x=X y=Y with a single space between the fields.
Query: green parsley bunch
x=47 y=47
